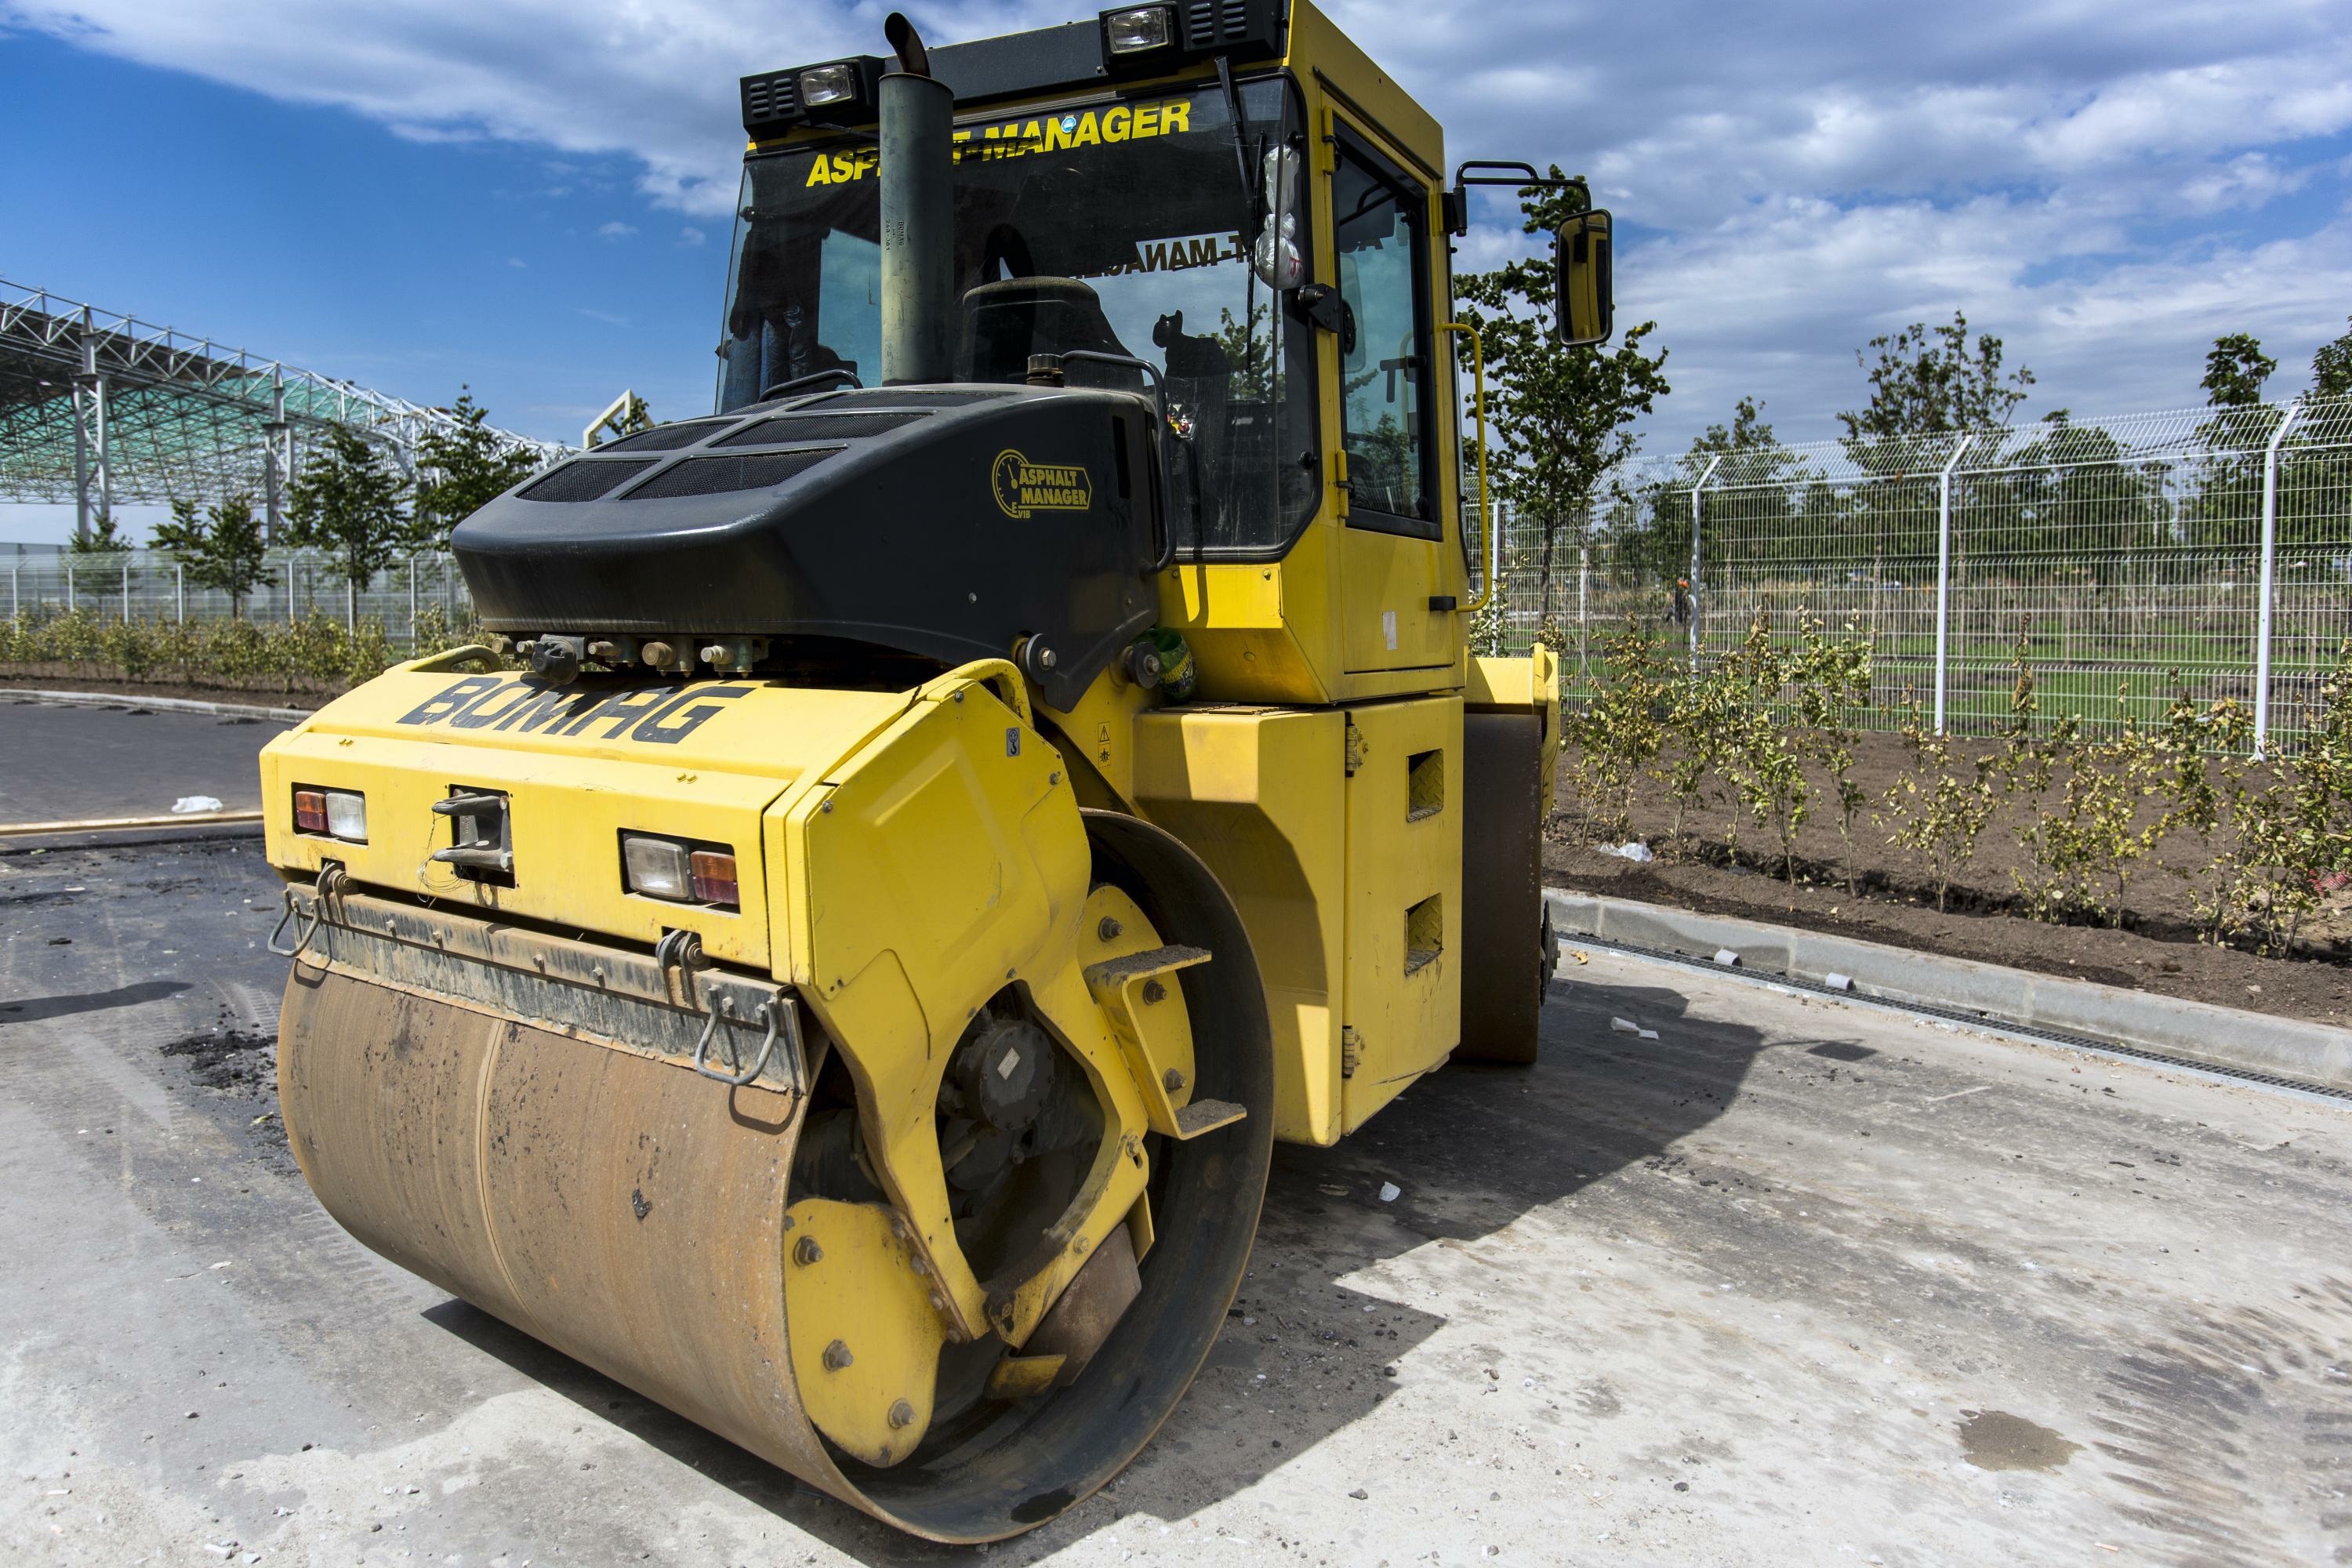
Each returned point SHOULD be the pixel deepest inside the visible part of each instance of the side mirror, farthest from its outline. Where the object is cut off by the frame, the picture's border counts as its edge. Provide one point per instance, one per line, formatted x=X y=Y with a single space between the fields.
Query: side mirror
x=1586 y=285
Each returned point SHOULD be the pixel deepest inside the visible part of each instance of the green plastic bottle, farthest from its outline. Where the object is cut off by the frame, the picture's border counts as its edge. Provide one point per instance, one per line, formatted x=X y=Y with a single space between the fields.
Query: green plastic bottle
x=1177 y=675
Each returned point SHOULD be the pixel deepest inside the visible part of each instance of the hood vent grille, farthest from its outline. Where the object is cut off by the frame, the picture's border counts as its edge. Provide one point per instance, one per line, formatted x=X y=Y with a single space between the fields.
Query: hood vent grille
x=717 y=475
x=586 y=479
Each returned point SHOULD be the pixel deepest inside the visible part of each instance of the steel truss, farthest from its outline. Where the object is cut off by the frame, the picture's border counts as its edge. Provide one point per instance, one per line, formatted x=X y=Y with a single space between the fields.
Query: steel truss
x=98 y=409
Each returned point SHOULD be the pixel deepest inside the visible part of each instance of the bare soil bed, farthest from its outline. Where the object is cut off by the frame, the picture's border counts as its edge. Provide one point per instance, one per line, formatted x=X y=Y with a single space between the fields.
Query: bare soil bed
x=2158 y=949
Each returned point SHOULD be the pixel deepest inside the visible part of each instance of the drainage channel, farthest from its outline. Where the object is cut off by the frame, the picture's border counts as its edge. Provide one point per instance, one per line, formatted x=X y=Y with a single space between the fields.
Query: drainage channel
x=1977 y=1021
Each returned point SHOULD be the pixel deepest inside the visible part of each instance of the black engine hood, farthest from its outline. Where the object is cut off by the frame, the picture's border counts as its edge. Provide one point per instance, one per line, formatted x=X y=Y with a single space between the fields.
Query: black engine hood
x=946 y=521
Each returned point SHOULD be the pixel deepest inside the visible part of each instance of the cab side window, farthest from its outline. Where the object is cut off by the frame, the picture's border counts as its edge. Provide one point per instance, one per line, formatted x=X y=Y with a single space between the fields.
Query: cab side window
x=1386 y=410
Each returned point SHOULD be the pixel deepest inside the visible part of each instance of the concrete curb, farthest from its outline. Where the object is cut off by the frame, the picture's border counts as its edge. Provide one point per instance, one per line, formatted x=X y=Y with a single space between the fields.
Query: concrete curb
x=161 y=704
x=2193 y=1031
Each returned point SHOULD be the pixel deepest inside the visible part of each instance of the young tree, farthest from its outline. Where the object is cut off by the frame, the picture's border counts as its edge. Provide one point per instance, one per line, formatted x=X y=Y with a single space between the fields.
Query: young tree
x=347 y=499
x=221 y=548
x=459 y=470
x=105 y=538
x=2235 y=369
x=1926 y=383
x=1561 y=415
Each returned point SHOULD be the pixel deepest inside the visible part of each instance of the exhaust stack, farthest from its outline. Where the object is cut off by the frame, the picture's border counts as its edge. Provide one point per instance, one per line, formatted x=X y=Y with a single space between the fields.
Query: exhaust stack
x=918 y=117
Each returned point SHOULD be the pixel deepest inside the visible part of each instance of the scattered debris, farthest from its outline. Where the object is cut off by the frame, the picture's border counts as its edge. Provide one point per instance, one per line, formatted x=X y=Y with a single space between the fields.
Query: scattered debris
x=1391 y=1192
x=1633 y=850
x=1582 y=957
x=188 y=803
x=1837 y=982
x=1726 y=957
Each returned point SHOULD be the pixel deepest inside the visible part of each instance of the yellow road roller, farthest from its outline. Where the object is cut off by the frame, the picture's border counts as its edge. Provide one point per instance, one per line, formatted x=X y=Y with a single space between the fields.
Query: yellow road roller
x=837 y=958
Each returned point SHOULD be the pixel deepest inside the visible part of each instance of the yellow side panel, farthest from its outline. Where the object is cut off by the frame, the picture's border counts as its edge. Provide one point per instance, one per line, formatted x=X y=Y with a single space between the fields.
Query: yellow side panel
x=1258 y=794
x=1388 y=579
x=1404 y=896
x=1254 y=627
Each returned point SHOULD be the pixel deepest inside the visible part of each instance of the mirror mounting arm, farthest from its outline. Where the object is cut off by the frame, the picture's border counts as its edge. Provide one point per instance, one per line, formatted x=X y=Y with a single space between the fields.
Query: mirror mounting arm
x=1491 y=172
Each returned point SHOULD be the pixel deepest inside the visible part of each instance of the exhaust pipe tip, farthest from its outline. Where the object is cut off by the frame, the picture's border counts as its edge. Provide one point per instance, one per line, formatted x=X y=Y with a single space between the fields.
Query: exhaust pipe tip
x=906 y=43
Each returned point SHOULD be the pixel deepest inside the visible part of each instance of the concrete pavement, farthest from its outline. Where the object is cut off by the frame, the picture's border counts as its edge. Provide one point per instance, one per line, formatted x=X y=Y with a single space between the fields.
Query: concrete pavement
x=61 y=763
x=1794 y=1282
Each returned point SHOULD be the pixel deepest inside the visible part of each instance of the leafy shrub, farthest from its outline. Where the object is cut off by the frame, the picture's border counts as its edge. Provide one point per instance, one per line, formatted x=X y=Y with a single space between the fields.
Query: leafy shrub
x=313 y=653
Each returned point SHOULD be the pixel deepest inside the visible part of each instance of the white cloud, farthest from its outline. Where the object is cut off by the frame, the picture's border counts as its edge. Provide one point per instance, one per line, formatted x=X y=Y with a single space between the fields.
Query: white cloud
x=616 y=229
x=690 y=235
x=606 y=317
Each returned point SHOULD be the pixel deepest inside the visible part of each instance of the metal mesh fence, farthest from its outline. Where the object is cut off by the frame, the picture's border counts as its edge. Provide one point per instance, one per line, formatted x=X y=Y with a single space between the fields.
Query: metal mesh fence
x=2209 y=551
x=150 y=586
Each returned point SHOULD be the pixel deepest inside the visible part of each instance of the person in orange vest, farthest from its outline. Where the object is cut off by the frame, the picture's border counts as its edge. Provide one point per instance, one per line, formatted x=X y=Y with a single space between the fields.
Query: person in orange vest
x=1682 y=611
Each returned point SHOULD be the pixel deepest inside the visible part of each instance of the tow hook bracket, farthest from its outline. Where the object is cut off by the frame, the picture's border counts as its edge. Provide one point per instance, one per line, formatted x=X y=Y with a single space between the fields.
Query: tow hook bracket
x=484 y=847
x=781 y=1016
x=332 y=879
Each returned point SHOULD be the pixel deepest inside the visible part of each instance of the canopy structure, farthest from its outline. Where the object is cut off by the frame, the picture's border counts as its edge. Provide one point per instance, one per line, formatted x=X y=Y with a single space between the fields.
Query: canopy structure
x=97 y=408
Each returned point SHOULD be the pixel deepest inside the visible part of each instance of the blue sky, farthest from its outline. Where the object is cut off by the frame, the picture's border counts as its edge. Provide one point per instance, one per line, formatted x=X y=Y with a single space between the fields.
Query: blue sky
x=533 y=197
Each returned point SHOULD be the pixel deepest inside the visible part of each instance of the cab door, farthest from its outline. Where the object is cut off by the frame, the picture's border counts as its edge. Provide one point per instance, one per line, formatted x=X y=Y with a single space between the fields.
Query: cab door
x=1392 y=424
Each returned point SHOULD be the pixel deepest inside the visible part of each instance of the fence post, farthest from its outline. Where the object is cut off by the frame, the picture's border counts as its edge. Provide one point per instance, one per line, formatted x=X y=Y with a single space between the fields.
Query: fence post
x=180 y=588
x=1944 y=573
x=2269 y=578
x=1705 y=475
x=16 y=612
x=293 y=575
x=351 y=605
x=1583 y=572
x=69 y=588
x=411 y=604
x=126 y=590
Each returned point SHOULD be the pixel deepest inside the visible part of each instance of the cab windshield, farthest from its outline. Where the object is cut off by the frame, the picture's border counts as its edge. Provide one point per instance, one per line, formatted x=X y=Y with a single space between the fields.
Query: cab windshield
x=1123 y=226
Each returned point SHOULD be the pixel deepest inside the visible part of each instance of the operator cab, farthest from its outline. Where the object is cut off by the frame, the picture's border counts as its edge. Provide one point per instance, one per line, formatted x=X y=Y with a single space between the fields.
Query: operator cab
x=1119 y=226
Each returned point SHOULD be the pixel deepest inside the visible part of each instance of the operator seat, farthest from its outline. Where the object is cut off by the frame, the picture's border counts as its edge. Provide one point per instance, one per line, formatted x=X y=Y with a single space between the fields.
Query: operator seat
x=1006 y=321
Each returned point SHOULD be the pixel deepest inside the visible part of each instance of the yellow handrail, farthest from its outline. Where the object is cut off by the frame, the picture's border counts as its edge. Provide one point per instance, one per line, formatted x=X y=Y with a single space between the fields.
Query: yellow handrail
x=1478 y=402
x=1010 y=687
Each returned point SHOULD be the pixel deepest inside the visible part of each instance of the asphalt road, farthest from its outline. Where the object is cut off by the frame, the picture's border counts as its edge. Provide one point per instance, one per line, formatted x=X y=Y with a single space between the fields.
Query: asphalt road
x=1795 y=1282
x=60 y=764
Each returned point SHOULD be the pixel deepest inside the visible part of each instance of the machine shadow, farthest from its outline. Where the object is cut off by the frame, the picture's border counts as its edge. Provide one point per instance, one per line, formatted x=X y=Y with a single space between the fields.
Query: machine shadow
x=1471 y=1149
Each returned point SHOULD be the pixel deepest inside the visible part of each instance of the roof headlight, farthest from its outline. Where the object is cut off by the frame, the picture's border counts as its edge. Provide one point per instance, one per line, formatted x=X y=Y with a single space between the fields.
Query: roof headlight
x=823 y=85
x=1138 y=30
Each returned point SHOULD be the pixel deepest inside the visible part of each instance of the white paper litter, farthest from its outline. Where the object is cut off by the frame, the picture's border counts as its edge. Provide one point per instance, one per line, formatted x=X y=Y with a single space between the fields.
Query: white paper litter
x=1632 y=850
x=1627 y=1027
x=1726 y=957
x=1391 y=1192
x=1837 y=982
x=188 y=803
